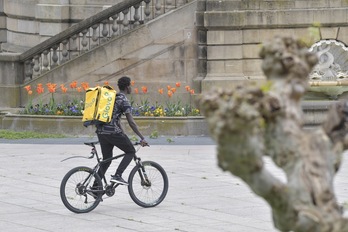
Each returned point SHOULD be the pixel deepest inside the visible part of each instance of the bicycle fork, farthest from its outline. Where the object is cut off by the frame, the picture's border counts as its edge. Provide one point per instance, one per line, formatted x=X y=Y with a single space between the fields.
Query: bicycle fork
x=143 y=175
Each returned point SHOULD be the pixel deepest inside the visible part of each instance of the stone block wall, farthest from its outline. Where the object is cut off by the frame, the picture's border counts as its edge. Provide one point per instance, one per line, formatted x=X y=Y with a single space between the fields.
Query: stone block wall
x=11 y=72
x=24 y=24
x=235 y=31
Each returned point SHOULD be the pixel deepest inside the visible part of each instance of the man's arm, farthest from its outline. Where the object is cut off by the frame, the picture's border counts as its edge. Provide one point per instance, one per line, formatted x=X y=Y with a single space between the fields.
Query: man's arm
x=134 y=127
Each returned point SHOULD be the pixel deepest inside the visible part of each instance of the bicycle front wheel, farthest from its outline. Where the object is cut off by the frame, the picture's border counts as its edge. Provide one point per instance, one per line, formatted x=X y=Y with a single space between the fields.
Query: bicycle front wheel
x=76 y=190
x=148 y=184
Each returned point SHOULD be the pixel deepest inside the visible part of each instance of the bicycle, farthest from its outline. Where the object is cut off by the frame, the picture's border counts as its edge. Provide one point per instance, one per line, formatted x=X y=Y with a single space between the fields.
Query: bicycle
x=148 y=184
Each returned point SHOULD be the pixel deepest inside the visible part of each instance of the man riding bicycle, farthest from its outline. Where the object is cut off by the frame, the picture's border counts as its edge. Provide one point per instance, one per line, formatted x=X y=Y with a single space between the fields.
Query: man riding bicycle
x=112 y=134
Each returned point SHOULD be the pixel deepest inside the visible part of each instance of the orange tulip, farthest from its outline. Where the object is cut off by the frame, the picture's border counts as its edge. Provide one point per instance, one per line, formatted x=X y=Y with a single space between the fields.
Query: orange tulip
x=51 y=87
x=79 y=89
x=30 y=92
x=132 y=83
x=136 y=90
x=51 y=90
x=39 y=88
x=188 y=88
x=192 y=91
x=106 y=83
x=177 y=84
x=73 y=85
x=173 y=90
x=144 y=89
x=63 y=88
x=85 y=85
x=169 y=87
x=170 y=93
x=160 y=91
x=27 y=88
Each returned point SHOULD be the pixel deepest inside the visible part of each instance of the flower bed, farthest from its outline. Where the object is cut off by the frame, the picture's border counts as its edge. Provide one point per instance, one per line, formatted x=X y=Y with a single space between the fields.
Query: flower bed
x=170 y=104
x=170 y=114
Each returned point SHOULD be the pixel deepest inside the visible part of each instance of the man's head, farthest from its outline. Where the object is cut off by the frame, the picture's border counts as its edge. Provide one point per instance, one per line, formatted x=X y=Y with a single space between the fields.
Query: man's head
x=124 y=84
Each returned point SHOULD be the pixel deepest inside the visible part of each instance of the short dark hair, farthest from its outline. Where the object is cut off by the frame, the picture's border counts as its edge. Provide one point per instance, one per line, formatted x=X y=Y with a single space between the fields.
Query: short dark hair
x=123 y=82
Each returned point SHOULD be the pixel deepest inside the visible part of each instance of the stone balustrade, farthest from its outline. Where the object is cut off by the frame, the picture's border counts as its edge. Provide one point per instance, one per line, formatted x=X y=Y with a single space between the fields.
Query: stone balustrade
x=90 y=33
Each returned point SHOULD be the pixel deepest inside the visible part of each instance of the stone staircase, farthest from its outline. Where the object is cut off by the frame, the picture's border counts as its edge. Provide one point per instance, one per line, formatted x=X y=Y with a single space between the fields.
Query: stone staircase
x=315 y=112
x=152 y=43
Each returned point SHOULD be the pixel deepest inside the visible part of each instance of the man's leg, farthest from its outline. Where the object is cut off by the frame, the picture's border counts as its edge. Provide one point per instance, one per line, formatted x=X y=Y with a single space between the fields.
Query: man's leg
x=106 y=148
x=123 y=143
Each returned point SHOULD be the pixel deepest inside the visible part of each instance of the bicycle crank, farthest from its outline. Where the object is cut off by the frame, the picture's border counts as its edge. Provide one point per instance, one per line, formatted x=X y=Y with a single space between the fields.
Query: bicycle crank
x=109 y=190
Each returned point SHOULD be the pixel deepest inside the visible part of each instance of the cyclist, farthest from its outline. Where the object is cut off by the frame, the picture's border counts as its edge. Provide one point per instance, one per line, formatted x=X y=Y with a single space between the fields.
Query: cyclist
x=112 y=134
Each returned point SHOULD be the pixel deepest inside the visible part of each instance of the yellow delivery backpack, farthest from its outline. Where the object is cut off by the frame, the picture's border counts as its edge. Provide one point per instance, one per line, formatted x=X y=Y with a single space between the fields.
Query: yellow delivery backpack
x=99 y=104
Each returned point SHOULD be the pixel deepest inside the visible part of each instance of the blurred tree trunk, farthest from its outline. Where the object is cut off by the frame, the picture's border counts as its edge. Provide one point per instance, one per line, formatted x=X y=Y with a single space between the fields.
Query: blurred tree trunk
x=250 y=122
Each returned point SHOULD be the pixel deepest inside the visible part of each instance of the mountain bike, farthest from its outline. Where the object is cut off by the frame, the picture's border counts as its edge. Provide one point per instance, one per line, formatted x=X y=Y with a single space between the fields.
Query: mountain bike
x=82 y=189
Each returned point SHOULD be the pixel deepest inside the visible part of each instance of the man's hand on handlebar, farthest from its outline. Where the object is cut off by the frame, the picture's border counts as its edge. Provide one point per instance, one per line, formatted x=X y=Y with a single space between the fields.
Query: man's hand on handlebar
x=144 y=143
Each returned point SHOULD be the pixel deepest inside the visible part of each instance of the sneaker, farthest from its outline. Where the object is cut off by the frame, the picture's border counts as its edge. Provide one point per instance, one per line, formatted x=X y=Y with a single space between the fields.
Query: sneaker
x=118 y=180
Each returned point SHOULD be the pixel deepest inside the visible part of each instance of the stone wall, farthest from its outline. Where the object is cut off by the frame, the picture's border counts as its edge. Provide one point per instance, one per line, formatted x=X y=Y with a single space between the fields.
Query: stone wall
x=171 y=126
x=24 y=24
x=236 y=29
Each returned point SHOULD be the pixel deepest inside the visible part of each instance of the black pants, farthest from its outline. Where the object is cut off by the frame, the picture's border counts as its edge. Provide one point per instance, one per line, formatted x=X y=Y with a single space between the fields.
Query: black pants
x=107 y=143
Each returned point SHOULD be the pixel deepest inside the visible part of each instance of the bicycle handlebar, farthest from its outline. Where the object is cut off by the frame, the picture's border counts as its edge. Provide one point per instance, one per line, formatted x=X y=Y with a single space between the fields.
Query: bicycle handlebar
x=138 y=143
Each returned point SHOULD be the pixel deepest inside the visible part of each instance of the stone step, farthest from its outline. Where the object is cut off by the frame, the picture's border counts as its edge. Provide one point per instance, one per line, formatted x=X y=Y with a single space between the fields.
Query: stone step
x=315 y=112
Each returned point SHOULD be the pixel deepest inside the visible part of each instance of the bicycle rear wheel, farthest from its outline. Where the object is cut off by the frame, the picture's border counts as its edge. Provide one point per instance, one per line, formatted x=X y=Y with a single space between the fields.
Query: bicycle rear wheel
x=149 y=188
x=76 y=192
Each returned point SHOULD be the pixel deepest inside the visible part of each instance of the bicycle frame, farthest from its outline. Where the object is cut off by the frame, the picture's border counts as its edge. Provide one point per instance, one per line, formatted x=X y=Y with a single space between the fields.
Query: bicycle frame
x=136 y=159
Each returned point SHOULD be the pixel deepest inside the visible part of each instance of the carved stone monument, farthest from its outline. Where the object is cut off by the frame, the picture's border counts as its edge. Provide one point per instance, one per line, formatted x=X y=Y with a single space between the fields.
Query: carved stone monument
x=330 y=75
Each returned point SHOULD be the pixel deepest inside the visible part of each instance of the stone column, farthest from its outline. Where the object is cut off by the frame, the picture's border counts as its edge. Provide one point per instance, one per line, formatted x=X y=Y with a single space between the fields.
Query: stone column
x=201 y=44
x=2 y=23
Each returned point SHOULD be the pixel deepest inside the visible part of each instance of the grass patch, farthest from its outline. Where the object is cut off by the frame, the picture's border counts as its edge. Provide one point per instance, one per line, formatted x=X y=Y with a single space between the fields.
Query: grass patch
x=7 y=134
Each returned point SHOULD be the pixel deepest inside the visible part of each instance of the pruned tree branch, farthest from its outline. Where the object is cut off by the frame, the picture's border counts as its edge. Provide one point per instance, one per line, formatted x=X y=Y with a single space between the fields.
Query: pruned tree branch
x=250 y=122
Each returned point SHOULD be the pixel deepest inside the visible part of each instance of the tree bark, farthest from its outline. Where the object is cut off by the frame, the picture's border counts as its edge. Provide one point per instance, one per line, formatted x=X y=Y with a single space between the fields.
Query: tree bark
x=251 y=121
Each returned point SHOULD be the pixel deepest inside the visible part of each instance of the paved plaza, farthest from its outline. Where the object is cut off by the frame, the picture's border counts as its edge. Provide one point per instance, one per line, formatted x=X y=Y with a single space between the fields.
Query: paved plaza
x=201 y=198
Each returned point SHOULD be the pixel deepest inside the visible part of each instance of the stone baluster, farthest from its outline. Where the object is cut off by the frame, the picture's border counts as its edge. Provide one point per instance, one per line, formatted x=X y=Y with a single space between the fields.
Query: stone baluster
x=125 y=21
x=36 y=68
x=170 y=4
x=65 y=52
x=28 y=65
x=147 y=10
x=158 y=7
x=114 y=25
x=74 y=46
x=95 y=36
x=55 y=56
x=45 y=62
x=180 y=2
x=84 y=41
x=105 y=31
x=136 y=15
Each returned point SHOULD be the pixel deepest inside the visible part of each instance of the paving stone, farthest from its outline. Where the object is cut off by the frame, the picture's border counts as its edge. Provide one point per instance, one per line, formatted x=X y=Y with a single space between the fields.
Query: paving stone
x=201 y=197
